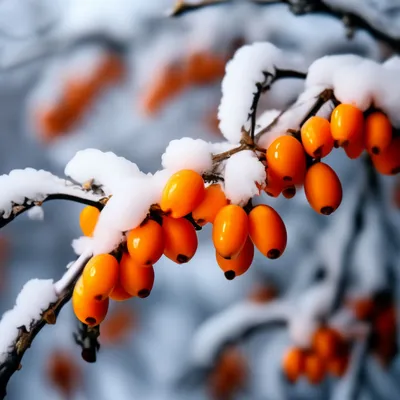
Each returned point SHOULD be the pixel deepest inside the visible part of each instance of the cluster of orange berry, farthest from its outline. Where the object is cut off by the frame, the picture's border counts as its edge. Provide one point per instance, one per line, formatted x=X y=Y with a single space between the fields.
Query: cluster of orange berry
x=294 y=161
x=197 y=69
x=329 y=353
x=78 y=95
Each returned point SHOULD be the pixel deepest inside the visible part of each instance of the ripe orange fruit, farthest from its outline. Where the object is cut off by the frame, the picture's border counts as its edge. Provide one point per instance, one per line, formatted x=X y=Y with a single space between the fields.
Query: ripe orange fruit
x=88 y=219
x=316 y=137
x=230 y=231
x=388 y=161
x=378 y=132
x=88 y=310
x=363 y=308
x=338 y=366
x=180 y=239
x=327 y=343
x=347 y=124
x=267 y=231
x=289 y=192
x=183 y=192
x=137 y=280
x=119 y=293
x=239 y=265
x=274 y=184
x=213 y=201
x=315 y=368
x=323 y=188
x=146 y=243
x=100 y=275
x=293 y=364
x=286 y=157
x=355 y=148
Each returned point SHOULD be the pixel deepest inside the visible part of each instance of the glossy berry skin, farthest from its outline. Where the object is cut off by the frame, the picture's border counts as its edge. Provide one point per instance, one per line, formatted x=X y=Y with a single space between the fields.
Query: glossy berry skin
x=100 y=275
x=286 y=157
x=293 y=364
x=267 y=231
x=315 y=368
x=180 y=239
x=230 y=231
x=355 y=148
x=88 y=220
x=378 y=132
x=239 y=265
x=119 y=293
x=146 y=243
x=323 y=188
x=347 y=124
x=388 y=161
x=213 y=201
x=183 y=192
x=88 y=310
x=327 y=343
x=274 y=184
x=137 y=280
x=316 y=137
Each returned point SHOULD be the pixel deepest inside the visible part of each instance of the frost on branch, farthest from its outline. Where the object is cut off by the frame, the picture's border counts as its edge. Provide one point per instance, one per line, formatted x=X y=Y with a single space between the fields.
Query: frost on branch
x=34 y=298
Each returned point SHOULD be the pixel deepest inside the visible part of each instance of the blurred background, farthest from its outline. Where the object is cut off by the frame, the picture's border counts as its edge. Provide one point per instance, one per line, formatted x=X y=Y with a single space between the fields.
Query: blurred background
x=118 y=75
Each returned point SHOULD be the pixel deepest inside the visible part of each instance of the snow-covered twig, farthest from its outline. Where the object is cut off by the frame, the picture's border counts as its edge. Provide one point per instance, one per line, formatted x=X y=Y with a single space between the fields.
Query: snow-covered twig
x=19 y=326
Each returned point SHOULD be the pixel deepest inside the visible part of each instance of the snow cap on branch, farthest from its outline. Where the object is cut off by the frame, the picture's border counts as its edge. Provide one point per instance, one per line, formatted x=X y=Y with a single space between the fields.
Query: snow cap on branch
x=187 y=153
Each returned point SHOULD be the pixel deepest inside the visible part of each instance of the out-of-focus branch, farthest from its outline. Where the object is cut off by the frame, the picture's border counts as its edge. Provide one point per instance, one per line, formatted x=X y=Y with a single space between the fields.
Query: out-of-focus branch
x=87 y=339
x=181 y=7
x=64 y=288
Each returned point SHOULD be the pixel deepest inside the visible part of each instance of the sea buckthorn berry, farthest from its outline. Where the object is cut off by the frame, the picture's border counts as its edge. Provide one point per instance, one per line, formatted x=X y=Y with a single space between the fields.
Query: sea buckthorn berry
x=146 y=243
x=230 y=231
x=327 y=343
x=347 y=124
x=338 y=366
x=119 y=293
x=363 y=308
x=88 y=310
x=88 y=219
x=378 y=132
x=180 y=239
x=239 y=265
x=316 y=137
x=183 y=192
x=323 y=188
x=100 y=275
x=286 y=157
x=289 y=192
x=315 y=368
x=294 y=364
x=267 y=231
x=355 y=148
x=273 y=184
x=388 y=161
x=136 y=279
x=213 y=201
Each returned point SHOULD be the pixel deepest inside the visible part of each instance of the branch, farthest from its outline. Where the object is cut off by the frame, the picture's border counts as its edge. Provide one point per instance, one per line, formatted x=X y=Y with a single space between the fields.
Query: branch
x=87 y=338
x=181 y=7
x=63 y=288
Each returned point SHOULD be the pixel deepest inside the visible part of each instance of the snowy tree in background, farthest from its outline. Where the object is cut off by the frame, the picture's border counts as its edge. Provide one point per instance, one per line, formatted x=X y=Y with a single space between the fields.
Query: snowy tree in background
x=306 y=108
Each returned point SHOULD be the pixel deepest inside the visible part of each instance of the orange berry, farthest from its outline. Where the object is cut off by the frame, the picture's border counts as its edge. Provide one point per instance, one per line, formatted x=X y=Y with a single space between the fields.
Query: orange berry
x=363 y=308
x=239 y=265
x=100 y=275
x=183 y=192
x=327 y=343
x=88 y=310
x=347 y=124
x=213 y=201
x=378 y=132
x=315 y=368
x=293 y=364
x=289 y=192
x=316 y=137
x=180 y=239
x=286 y=157
x=323 y=188
x=119 y=293
x=388 y=161
x=230 y=231
x=267 y=231
x=137 y=280
x=146 y=243
x=355 y=148
x=88 y=219
x=274 y=184
x=338 y=366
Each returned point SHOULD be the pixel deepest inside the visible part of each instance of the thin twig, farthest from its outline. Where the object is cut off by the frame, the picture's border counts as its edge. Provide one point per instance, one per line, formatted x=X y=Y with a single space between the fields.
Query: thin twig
x=87 y=338
x=181 y=7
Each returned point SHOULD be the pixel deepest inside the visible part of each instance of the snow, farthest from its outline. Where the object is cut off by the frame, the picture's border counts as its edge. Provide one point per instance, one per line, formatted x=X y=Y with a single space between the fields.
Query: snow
x=242 y=171
x=243 y=72
x=29 y=185
x=36 y=213
x=34 y=298
x=187 y=153
x=106 y=169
